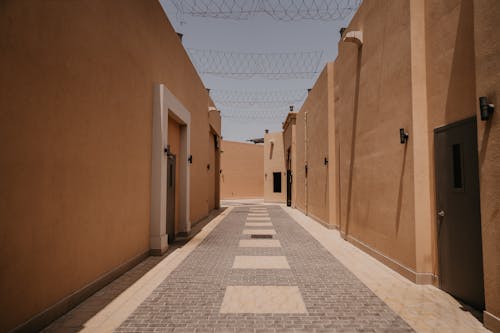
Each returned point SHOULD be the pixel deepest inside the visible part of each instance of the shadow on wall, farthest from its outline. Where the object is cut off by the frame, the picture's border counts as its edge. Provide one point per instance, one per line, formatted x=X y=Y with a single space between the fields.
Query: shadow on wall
x=400 y=190
x=353 y=139
x=461 y=93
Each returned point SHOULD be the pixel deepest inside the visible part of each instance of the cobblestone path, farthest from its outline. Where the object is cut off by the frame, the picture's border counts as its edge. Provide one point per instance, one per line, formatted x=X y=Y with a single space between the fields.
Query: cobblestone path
x=259 y=271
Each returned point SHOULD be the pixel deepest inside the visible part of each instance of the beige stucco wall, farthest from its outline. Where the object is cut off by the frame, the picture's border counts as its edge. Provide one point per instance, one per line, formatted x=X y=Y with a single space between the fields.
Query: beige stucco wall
x=213 y=167
x=76 y=100
x=450 y=74
x=242 y=166
x=487 y=60
x=274 y=161
x=316 y=106
x=300 y=157
x=290 y=150
x=375 y=170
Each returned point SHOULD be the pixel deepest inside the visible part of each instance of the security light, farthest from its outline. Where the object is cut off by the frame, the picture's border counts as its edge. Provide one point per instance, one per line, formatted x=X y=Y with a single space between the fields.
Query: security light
x=403 y=136
x=486 y=108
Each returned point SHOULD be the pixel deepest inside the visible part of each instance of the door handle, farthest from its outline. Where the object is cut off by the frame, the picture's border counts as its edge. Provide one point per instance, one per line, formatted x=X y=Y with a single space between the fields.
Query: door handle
x=441 y=213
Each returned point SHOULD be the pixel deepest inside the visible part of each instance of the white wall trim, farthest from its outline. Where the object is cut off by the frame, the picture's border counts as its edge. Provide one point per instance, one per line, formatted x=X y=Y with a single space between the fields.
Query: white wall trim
x=165 y=105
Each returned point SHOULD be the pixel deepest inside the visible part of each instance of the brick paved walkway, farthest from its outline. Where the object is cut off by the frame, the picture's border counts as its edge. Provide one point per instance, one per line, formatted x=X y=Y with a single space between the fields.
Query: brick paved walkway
x=206 y=294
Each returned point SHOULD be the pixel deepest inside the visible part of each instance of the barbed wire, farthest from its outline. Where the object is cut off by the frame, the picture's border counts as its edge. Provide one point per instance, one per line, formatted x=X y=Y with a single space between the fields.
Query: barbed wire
x=239 y=65
x=281 y=10
x=261 y=114
x=259 y=99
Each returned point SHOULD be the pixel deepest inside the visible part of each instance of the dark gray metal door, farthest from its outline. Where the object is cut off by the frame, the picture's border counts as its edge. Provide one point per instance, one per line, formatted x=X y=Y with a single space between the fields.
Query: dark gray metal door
x=458 y=210
x=289 y=178
x=171 y=197
x=288 y=188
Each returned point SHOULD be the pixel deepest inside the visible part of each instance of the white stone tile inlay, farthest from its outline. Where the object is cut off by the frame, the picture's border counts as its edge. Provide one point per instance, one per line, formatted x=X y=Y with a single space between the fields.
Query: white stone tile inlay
x=258 y=214
x=262 y=299
x=259 y=243
x=250 y=218
x=259 y=232
x=261 y=262
x=258 y=224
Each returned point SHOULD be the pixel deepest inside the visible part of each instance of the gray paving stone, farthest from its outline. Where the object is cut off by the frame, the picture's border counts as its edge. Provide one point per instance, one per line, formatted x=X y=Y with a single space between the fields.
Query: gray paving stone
x=190 y=298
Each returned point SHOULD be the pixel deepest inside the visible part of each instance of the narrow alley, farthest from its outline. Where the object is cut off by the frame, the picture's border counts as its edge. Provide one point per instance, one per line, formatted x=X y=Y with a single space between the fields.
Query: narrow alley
x=264 y=268
x=249 y=166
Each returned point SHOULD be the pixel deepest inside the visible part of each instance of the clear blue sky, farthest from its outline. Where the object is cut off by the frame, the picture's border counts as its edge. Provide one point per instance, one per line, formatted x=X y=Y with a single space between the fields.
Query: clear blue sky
x=258 y=34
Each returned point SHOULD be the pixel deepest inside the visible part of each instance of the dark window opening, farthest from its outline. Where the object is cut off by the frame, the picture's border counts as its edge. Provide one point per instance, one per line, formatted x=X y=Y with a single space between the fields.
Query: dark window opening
x=458 y=181
x=277 y=182
x=171 y=175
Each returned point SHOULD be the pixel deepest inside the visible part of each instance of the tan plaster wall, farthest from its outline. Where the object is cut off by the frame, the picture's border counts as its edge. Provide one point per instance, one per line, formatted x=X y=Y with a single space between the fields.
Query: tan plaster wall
x=316 y=106
x=376 y=171
x=487 y=60
x=300 y=158
x=274 y=161
x=242 y=166
x=76 y=100
x=450 y=75
x=289 y=144
x=214 y=120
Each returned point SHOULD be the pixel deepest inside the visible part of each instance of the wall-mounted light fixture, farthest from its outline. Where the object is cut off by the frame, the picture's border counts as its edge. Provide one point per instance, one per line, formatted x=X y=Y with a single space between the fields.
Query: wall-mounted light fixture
x=190 y=159
x=326 y=161
x=306 y=169
x=342 y=30
x=486 y=108
x=208 y=166
x=403 y=136
x=291 y=108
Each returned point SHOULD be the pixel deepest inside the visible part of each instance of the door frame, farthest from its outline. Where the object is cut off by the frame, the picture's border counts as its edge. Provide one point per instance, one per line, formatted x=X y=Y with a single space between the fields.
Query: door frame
x=166 y=104
x=436 y=131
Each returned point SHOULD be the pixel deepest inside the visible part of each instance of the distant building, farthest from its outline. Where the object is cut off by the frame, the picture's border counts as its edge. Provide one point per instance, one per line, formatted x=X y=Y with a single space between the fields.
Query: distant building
x=274 y=168
x=241 y=175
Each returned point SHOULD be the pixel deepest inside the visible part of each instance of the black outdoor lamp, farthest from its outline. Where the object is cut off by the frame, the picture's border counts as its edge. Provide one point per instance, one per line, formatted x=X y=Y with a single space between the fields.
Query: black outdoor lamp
x=326 y=161
x=403 y=136
x=486 y=108
x=190 y=159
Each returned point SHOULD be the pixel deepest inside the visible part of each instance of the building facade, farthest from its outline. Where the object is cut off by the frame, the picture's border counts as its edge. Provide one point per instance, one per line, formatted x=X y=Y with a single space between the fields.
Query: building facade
x=412 y=173
x=110 y=146
x=274 y=168
x=242 y=170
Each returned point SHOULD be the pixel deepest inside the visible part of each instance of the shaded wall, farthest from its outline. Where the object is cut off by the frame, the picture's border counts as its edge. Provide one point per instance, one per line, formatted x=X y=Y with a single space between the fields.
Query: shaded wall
x=373 y=99
x=316 y=106
x=214 y=135
x=242 y=166
x=487 y=60
x=300 y=158
x=76 y=100
x=274 y=162
x=290 y=150
x=450 y=73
